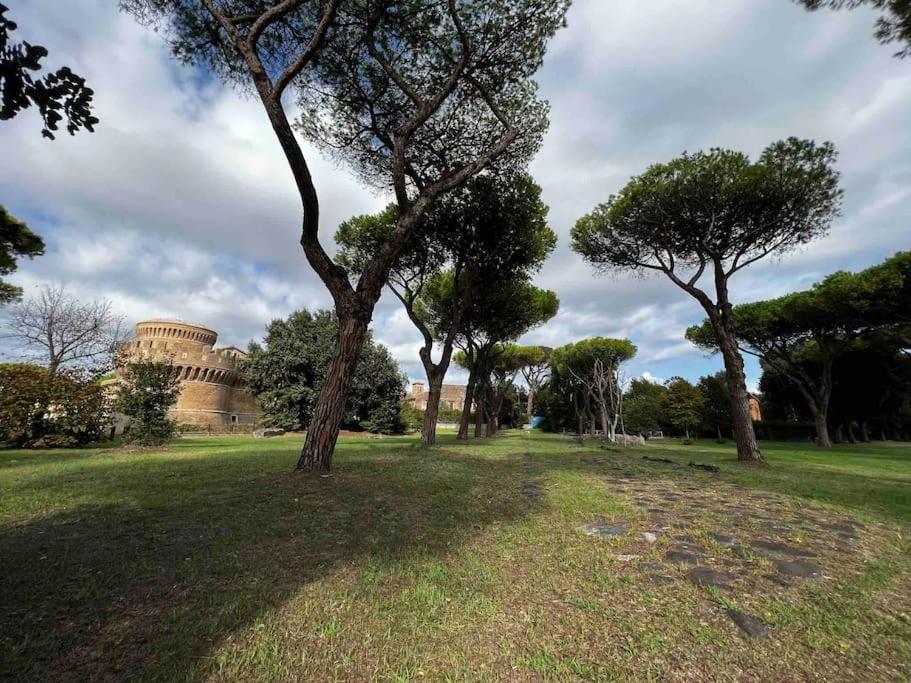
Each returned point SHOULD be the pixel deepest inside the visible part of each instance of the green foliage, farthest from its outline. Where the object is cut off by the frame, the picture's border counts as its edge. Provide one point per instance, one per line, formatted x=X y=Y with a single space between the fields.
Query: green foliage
x=287 y=372
x=724 y=208
x=15 y=240
x=800 y=336
x=44 y=410
x=413 y=418
x=148 y=390
x=644 y=407
x=716 y=406
x=418 y=93
x=683 y=404
x=580 y=357
x=57 y=95
x=840 y=308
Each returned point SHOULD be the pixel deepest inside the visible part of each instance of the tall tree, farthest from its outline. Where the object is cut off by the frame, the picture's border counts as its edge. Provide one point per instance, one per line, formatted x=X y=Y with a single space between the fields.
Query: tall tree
x=716 y=405
x=715 y=213
x=802 y=334
x=644 y=406
x=58 y=329
x=15 y=240
x=893 y=26
x=59 y=94
x=489 y=229
x=415 y=97
x=594 y=365
x=683 y=404
x=535 y=369
x=502 y=311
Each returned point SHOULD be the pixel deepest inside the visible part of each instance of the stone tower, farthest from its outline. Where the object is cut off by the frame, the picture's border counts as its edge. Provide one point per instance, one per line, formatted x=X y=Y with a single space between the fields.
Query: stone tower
x=212 y=393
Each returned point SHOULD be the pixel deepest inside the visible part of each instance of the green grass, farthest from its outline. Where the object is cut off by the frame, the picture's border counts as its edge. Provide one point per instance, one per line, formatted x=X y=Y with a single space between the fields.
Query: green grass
x=869 y=479
x=213 y=560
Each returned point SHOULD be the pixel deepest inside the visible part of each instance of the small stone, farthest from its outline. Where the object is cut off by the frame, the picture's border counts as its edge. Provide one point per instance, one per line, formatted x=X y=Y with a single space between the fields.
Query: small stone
x=751 y=626
x=267 y=432
x=705 y=576
x=627 y=558
x=604 y=530
x=798 y=568
x=649 y=537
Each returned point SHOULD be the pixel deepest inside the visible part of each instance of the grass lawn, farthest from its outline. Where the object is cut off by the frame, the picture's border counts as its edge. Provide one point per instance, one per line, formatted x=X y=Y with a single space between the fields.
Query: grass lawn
x=212 y=560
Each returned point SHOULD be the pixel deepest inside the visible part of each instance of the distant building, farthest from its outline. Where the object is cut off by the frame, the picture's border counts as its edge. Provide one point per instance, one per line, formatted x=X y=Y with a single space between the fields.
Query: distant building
x=755 y=410
x=452 y=396
x=212 y=392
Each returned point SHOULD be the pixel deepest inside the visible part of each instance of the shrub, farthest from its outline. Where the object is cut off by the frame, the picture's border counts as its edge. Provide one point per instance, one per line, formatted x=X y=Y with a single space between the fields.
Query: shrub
x=385 y=419
x=44 y=410
x=148 y=391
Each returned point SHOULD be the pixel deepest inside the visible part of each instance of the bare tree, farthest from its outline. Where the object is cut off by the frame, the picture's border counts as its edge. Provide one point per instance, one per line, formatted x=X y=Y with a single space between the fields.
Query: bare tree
x=58 y=329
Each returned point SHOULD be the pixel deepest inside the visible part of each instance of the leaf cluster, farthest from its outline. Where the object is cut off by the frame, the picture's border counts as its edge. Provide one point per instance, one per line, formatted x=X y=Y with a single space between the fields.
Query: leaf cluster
x=58 y=95
x=714 y=207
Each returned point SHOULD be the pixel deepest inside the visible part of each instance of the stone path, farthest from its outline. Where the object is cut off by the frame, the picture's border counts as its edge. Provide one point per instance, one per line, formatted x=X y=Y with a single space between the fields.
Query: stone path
x=734 y=542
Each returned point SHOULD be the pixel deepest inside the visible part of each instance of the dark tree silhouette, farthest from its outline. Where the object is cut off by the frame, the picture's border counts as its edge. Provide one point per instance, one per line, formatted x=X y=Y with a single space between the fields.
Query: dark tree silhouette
x=59 y=95
x=15 y=240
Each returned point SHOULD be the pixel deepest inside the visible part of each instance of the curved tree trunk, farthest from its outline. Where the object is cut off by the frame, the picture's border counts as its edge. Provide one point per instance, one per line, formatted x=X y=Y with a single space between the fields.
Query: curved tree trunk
x=322 y=433
x=429 y=430
x=465 y=420
x=530 y=402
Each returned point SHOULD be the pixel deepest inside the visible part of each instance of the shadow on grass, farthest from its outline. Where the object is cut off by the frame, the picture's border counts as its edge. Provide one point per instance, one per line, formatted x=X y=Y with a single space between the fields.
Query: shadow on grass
x=157 y=560
x=191 y=550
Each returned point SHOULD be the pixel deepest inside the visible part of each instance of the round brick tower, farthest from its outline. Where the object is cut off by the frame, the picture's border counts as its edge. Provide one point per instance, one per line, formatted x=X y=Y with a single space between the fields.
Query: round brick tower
x=211 y=389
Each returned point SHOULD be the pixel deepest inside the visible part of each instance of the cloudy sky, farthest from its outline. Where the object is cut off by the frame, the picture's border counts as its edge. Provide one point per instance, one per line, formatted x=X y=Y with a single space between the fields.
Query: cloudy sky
x=180 y=205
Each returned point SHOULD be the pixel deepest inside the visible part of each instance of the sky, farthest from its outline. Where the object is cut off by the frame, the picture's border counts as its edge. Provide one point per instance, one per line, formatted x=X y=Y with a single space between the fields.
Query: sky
x=180 y=205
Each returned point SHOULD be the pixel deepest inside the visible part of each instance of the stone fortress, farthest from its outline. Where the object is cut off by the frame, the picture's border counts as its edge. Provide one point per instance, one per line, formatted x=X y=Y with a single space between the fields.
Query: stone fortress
x=452 y=396
x=212 y=393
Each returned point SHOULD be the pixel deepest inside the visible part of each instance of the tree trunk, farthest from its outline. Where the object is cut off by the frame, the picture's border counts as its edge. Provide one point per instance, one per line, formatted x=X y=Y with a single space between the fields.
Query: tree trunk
x=530 y=402
x=322 y=433
x=820 y=420
x=852 y=438
x=864 y=432
x=744 y=434
x=466 y=409
x=429 y=430
x=839 y=433
x=718 y=427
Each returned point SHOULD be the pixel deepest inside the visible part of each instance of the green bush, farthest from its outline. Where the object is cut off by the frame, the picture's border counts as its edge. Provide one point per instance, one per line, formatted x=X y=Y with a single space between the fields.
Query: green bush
x=148 y=391
x=44 y=410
